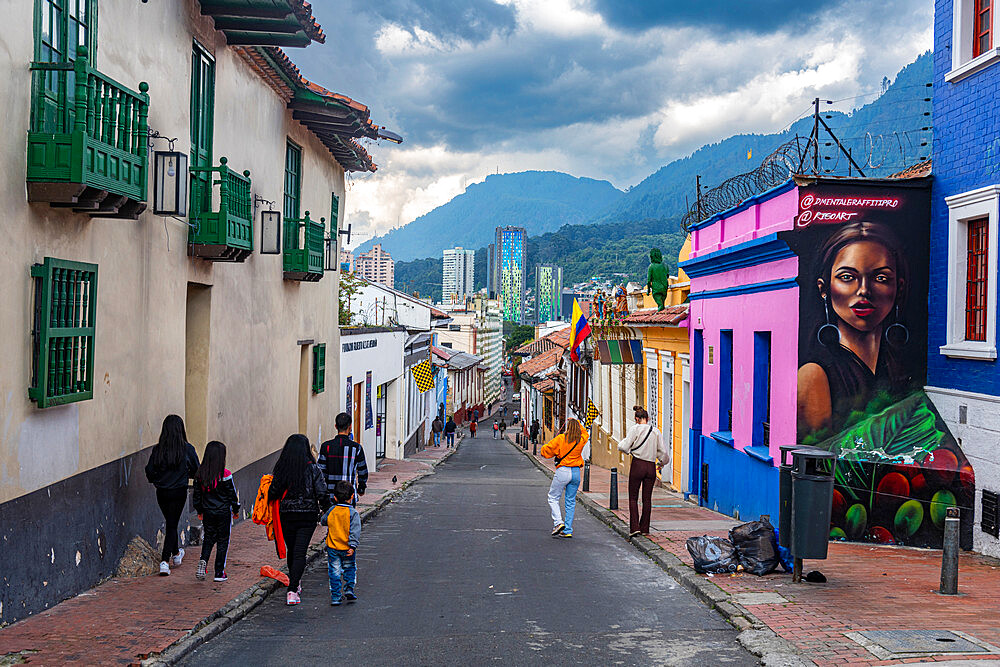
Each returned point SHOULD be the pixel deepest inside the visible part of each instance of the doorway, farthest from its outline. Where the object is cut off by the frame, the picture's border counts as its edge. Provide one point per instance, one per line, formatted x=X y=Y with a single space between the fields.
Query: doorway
x=197 y=333
x=304 y=388
x=358 y=403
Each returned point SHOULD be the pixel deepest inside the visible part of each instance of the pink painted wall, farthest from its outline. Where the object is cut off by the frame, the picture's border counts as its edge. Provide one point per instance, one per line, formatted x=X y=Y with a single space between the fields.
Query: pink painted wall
x=772 y=215
x=775 y=311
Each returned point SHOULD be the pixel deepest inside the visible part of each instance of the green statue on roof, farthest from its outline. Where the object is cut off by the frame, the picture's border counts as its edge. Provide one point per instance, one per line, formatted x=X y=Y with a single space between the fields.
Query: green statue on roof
x=657 y=278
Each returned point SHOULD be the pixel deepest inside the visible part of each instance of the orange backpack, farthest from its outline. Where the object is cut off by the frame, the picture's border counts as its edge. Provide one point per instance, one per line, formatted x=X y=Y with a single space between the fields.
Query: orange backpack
x=261 y=508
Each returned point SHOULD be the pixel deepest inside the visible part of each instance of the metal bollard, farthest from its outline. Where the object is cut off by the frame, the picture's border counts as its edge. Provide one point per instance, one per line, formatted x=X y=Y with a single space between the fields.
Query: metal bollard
x=524 y=442
x=534 y=448
x=586 y=476
x=613 y=493
x=949 y=553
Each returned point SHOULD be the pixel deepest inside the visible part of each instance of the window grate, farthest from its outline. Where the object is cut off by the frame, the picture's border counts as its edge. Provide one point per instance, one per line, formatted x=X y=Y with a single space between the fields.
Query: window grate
x=319 y=368
x=63 y=337
x=990 y=522
x=976 y=280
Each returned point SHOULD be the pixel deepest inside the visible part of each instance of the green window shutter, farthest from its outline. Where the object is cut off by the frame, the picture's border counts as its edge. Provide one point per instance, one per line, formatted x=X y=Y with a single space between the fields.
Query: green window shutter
x=334 y=215
x=293 y=181
x=61 y=27
x=202 y=129
x=62 y=369
x=319 y=368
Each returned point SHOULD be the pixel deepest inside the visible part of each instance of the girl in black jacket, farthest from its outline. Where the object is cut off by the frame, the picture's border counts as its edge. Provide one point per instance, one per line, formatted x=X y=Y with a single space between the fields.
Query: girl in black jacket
x=298 y=483
x=215 y=500
x=171 y=464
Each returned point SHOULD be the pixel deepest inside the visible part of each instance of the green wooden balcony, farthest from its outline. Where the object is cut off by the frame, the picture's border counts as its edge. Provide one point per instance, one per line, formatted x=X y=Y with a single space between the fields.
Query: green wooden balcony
x=302 y=256
x=223 y=232
x=87 y=140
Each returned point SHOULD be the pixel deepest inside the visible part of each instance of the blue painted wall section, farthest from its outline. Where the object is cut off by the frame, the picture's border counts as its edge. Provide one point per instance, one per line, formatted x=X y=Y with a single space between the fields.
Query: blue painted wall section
x=966 y=157
x=739 y=484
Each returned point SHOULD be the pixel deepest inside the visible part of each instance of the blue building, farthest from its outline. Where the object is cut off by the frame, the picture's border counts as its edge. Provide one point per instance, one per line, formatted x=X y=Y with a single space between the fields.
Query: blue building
x=962 y=375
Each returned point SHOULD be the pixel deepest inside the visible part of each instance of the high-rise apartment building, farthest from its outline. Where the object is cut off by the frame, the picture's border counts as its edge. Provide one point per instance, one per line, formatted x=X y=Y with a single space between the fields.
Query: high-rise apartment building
x=509 y=271
x=548 y=293
x=458 y=273
x=376 y=265
x=346 y=261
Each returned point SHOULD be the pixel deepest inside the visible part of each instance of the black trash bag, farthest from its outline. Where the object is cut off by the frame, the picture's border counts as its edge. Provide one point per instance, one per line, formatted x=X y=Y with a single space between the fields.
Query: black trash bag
x=712 y=554
x=756 y=547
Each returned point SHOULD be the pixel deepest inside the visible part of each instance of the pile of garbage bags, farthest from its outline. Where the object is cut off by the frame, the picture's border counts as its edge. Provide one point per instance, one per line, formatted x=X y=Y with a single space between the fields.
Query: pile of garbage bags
x=751 y=546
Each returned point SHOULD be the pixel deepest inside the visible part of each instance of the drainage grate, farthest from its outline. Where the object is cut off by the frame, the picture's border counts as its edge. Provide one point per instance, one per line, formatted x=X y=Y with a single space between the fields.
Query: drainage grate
x=893 y=644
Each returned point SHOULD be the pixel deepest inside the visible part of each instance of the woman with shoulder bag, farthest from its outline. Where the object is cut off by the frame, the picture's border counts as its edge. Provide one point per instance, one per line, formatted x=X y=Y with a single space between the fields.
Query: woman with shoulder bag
x=644 y=444
x=299 y=486
x=566 y=449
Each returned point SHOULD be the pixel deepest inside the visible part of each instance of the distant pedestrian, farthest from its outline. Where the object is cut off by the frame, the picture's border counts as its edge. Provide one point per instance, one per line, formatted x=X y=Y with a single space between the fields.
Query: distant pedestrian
x=436 y=427
x=217 y=505
x=343 y=460
x=644 y=444
x=472 y=428
x=298 y=485
x=496 y=429
x=566 y=449
x=449 y=431
x=505 y=410
x=171 y=464
x=533 y=431
x=475 y=415
x=343 y=534
x=503 y=427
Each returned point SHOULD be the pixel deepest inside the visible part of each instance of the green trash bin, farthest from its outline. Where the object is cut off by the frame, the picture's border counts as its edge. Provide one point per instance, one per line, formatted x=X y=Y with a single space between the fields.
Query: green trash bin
x=812 y=499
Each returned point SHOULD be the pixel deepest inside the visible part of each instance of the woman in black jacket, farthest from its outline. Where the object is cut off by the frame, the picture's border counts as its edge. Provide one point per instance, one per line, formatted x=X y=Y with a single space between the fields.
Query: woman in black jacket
x=171 y=464
x=298 y=483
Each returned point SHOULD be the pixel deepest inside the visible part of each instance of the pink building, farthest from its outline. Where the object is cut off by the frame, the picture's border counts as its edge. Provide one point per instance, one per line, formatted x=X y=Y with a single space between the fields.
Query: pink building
x=377 y=266
x=808 y=323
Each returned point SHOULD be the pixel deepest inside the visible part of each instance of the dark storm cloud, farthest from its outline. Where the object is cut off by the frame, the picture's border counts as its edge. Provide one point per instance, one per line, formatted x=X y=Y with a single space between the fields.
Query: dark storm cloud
x=449 y=20
x=736 y=15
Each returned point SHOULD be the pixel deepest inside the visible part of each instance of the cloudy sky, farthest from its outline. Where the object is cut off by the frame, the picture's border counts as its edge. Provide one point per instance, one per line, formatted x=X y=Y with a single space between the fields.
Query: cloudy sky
x=610 y=89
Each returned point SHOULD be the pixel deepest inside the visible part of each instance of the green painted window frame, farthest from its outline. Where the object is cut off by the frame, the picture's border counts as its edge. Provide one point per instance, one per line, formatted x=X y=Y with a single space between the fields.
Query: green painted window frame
x=65 y=317
x=202 y=128
x=291 y=205
x=334 y=215
x=55 y=21
x=319 y=368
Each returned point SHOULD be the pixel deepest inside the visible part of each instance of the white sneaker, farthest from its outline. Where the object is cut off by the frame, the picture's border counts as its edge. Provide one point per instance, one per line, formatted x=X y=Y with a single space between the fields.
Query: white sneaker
x=178 y=558
x=164 y=569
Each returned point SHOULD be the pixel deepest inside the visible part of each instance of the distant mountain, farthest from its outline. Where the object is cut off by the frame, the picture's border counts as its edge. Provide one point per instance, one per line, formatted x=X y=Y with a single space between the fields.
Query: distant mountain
x=884 y=136
x=539 y=201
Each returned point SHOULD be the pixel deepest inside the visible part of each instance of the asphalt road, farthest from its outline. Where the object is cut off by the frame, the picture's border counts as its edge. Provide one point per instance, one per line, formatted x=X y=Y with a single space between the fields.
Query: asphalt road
x=462 y=571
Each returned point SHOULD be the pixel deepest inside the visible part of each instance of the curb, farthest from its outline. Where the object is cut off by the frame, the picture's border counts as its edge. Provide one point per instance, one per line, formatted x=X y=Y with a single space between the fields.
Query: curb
x=248 y=600
x=754 y=635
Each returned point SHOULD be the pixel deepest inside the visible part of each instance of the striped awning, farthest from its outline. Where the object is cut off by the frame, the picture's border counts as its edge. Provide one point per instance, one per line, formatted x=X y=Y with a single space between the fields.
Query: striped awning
x=628 y=351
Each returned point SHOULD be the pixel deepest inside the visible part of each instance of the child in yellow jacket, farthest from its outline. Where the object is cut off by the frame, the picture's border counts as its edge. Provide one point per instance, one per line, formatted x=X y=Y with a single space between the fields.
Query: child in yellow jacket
x=343 y=534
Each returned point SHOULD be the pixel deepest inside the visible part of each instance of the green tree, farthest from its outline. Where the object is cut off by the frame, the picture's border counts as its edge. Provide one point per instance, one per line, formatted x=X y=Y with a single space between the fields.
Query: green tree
x=350 y=285
x=519 y=335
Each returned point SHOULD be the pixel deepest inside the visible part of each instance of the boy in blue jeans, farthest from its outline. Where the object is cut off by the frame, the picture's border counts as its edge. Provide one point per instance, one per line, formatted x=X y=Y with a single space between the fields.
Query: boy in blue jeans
x=343 y=533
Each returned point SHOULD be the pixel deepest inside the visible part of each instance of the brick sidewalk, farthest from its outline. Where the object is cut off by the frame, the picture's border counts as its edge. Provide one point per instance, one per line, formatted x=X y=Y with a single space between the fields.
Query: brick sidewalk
x=869 y=587
x=123 y=621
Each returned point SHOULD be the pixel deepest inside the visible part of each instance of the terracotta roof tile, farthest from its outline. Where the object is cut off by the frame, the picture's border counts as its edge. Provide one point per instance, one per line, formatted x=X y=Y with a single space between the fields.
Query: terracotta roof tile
x=918 y=170
x=543 y=362
x=670 y=316
x=555 y=339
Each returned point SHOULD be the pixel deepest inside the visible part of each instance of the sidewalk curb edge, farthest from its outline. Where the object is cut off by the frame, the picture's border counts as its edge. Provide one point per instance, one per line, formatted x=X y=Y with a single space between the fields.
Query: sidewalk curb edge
x=252 y=597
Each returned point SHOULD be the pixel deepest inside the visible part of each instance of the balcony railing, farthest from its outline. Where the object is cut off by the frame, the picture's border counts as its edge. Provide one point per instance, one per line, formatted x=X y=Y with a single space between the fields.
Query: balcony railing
x=87 y=140
x=226 y=233
x=302 y=257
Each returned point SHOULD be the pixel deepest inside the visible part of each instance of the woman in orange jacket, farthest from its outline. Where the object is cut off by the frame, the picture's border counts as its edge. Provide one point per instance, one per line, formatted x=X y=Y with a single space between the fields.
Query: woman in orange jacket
x=567 y=450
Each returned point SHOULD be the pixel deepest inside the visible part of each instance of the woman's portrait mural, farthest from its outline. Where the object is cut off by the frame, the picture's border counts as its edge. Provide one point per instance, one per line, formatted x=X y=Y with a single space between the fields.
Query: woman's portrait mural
x=863 y=281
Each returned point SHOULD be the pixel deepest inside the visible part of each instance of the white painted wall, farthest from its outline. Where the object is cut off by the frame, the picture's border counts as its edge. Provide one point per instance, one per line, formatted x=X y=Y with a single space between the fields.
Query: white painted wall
x=385 y=361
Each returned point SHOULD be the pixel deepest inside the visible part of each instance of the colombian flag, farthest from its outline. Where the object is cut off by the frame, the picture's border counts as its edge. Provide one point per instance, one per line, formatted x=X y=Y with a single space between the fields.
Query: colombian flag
x=579 y=330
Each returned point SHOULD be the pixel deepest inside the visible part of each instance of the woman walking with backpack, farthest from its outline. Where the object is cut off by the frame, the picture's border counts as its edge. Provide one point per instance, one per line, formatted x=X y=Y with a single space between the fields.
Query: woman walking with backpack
x=644 y=444
x=567 y=451
x=171 y=464
x=299 y=487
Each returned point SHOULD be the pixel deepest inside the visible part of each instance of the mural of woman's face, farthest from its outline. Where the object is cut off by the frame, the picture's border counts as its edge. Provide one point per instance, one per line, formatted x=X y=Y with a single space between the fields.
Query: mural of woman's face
x=863 y=285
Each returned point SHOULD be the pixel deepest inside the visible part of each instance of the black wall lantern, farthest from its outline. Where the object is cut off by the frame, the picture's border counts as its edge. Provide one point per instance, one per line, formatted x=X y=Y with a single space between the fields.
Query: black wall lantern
x=270 y=228
x=170 y=178
x=170 y=183
x=331 y=260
